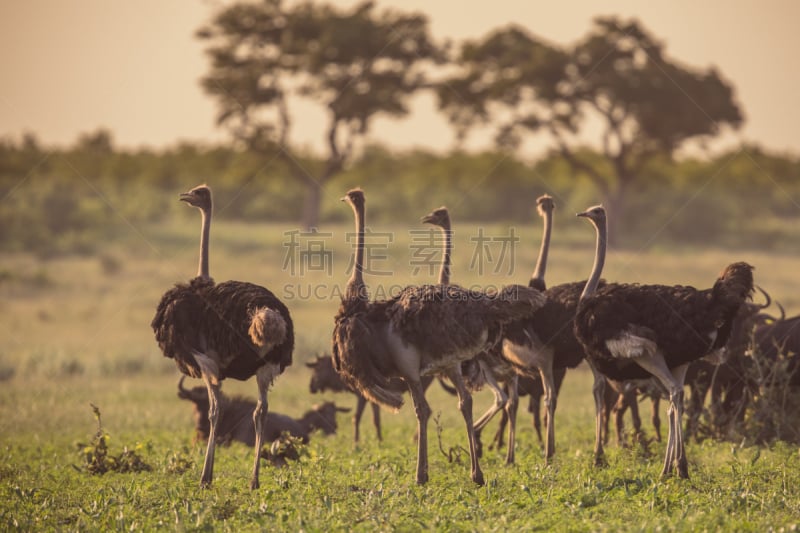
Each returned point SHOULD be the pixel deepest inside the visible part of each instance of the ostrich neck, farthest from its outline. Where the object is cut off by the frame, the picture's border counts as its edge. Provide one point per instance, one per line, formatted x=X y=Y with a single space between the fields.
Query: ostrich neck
x=202 y=269
x=599 y=261
x=444 y=272
x=541 y=262
x=355 y=286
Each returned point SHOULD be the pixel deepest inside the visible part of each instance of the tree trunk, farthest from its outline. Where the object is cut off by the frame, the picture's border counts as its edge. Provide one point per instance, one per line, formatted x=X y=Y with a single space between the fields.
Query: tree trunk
x=312 y=204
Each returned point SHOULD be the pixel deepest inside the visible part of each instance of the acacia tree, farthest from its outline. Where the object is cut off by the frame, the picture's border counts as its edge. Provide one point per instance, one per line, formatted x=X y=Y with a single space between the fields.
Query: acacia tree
x=617 y=76
x=356 y=64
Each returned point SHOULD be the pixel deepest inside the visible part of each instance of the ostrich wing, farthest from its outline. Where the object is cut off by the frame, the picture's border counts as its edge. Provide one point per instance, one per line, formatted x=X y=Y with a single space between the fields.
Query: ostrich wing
x=359 y=356
x=440 y=319
x=177 y=323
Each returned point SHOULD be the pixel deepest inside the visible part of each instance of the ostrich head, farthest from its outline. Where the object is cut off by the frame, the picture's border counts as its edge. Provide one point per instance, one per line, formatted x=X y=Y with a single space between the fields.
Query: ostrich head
x=545 y=204
x=736 y=282
x=199 y=197
x=438 y=217
x=596 y=214
x=355 y=197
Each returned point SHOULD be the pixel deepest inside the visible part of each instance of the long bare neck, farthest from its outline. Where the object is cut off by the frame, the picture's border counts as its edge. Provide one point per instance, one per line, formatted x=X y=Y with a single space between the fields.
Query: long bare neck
x=537 y=278
x=444 y=272
x=202 y=269
x=599 y=260
x=355 y=286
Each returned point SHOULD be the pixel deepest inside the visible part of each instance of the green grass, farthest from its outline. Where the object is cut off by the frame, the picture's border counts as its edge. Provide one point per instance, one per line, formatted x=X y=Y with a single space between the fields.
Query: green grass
x=339 y=487
x=75 y=331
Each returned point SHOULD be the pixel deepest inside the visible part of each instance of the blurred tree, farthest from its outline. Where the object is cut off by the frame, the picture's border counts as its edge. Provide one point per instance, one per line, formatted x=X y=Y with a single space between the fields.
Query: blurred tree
x=355 y=63
x=617 y=76
x=99 y=141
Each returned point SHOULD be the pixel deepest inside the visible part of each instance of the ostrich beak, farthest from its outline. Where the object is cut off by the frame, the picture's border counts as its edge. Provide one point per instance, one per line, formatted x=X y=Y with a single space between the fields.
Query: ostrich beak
x=343 y=199
x=583 y=214
x=427 y=219
x=185 y=197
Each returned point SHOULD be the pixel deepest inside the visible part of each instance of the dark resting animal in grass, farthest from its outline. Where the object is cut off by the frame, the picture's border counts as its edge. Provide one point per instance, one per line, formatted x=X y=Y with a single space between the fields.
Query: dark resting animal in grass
x=325 y=378
x=632 y=331
x=423 y=330
x=224 y=330
x=236 y=420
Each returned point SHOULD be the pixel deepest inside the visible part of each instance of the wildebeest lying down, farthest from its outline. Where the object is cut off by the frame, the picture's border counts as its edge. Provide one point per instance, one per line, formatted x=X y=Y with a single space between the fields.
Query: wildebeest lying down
x=236 y=419
x=325 y=378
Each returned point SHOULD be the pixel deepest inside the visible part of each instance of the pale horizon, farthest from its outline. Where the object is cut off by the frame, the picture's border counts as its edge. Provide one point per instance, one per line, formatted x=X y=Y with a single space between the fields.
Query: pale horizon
x=134 y=68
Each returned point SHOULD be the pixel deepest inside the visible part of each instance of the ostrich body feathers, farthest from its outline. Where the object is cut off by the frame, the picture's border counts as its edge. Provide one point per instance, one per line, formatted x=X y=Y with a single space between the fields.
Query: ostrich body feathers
x=416 y=320
x=683 y=322
x=231 y=319
x=551 y=326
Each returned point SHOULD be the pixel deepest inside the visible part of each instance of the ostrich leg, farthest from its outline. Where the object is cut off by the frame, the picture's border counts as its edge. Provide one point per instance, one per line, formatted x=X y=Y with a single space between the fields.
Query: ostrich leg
x=598 y=390
x=546 y=372
x=655 y=419
x=361 y=403
x=511 y=414
x=214 y=410
x=673 y=382
x=264 y=378
x=500 y=397
x=679 y=374
x=465 y=405
x=423 y=412
x=376 y=420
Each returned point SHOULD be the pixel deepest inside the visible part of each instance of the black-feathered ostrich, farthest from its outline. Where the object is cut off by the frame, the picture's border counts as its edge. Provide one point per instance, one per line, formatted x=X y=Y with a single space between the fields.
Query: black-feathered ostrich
x=423 y=330
x=214 y=331
x=635 y=331
x=545 y=344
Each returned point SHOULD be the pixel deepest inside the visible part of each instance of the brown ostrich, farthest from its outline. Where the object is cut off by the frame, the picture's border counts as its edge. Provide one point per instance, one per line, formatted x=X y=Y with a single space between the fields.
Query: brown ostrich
x=423 y=330
x=486 y=368
x=632 y=331
x=214 y=331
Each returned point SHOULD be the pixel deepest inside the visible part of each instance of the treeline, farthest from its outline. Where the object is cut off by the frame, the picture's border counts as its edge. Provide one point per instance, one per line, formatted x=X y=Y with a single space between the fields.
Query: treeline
x=61 y=200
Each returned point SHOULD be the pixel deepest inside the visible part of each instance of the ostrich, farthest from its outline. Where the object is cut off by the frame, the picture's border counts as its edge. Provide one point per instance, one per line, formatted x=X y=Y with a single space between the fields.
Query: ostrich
x=635 y=331
x=214 y=331
x=485 y=368
x=423 y=330
x=544 y=345
x=702 y=376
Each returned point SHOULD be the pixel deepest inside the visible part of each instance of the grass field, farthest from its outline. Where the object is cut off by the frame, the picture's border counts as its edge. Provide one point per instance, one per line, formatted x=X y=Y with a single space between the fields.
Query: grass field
x=75 y=330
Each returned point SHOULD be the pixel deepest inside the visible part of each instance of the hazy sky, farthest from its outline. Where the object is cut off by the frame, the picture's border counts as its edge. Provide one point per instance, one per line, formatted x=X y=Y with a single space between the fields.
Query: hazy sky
x=69 y=67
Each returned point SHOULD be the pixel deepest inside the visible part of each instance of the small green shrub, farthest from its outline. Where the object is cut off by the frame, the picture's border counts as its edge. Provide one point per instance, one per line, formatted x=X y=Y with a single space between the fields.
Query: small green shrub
x=97 y=459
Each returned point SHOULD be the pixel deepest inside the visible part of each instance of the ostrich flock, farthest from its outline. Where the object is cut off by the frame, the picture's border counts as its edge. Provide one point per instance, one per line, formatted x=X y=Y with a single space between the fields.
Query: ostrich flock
x=500 y=338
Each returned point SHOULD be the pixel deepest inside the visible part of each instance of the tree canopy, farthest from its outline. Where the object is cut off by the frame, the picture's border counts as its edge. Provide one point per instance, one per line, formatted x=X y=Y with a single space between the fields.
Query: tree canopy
x=355 y=63
x=618 y=75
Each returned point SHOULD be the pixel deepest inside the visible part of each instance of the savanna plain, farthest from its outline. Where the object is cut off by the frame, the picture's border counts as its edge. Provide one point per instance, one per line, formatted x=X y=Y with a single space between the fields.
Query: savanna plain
x=74 y=331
